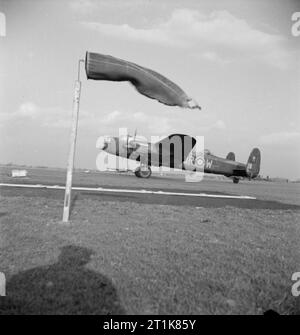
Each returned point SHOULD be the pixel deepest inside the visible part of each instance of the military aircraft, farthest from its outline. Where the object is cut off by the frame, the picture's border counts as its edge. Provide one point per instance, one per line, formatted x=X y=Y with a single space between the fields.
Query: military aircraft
x=177 y=151
x=227 y=166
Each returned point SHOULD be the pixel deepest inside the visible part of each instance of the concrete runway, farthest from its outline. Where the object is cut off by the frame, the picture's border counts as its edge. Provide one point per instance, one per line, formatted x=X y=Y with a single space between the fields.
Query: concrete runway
x=175 y=197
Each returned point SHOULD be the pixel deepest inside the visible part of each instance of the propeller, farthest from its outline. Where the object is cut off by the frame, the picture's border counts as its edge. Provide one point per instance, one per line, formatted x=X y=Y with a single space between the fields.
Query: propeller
x=132 y=143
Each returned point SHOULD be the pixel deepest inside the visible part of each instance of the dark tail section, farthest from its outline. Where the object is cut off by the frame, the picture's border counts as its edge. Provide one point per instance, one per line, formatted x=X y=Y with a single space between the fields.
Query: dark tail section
x=253 y=164
x=231 y=156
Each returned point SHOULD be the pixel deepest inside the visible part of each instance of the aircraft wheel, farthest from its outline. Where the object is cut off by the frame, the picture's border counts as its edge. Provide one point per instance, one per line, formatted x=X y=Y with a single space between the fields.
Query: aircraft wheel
x=236 y=180
x=144 y=172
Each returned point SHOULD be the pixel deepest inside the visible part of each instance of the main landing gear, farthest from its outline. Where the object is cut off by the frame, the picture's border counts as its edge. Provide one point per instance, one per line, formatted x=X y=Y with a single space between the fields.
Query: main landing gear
x=236 y=180
x=144 y=171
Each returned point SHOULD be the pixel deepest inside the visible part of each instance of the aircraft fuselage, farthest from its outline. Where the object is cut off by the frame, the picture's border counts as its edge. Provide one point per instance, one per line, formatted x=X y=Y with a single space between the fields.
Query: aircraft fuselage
x=213 y=164
x=149 y=154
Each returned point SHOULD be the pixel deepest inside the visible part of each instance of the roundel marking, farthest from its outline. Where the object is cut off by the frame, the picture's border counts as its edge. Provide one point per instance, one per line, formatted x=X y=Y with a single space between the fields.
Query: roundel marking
x=200 y=160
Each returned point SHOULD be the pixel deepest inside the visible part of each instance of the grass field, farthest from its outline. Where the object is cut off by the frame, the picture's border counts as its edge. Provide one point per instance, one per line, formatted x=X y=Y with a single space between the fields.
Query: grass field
x=131 y=258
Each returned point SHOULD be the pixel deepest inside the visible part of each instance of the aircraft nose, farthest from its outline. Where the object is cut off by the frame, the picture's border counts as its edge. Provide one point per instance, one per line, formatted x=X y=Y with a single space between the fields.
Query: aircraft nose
x=102 y=143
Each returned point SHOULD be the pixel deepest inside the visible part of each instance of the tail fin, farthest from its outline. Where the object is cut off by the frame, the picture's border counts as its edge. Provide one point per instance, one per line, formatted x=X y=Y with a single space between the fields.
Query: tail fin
x=253 y=164
x=231 y=156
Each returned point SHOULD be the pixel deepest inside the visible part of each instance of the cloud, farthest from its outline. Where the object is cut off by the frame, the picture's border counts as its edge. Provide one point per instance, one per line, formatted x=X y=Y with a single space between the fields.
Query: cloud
x=83 y=6
x=220 y=124
x=212 y=56
x=281 y=138
x=154 y=123
x=135 y=34
x=218 y=35
x=149 y=123
x=26 y=110
x=45 y=116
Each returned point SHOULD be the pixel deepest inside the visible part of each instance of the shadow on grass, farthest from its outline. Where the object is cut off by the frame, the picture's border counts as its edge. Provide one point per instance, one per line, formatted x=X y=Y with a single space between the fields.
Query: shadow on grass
x=73 y=201
x=66 y=287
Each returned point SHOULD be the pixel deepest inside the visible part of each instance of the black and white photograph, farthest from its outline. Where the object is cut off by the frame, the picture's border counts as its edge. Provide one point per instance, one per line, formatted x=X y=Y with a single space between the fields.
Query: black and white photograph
x=149 y=160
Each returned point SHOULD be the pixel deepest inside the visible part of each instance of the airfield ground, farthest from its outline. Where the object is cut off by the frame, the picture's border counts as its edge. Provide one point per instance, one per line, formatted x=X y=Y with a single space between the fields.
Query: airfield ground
x=148 y=254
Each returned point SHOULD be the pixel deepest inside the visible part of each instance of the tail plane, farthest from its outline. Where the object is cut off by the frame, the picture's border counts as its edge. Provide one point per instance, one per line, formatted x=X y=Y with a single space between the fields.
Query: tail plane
x=253 y=164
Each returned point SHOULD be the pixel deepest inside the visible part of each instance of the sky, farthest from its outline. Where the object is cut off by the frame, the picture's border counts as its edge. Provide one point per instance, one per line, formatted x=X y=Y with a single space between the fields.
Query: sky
x=238 y=59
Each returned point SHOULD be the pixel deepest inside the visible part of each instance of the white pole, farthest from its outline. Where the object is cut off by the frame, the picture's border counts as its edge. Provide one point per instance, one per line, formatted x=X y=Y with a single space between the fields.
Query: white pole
x=73 y=135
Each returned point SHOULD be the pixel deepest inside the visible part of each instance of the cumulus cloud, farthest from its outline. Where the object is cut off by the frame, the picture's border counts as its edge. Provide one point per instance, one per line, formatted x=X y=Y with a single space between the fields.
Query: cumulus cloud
x=219 y=124
x=87 y=7
x=83 y=6
x=148 y=123
x=28 y=109
x=212 y=56
x=25 y=110
x=45 y=116
x=210 y=34
x=158 y=124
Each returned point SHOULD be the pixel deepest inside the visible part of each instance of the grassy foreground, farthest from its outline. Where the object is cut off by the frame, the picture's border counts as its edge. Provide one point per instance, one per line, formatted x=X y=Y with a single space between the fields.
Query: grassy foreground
x=128 y=258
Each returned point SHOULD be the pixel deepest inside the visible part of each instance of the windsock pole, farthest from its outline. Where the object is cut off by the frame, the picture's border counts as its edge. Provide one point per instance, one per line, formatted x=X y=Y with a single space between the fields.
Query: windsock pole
x=73 y=136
